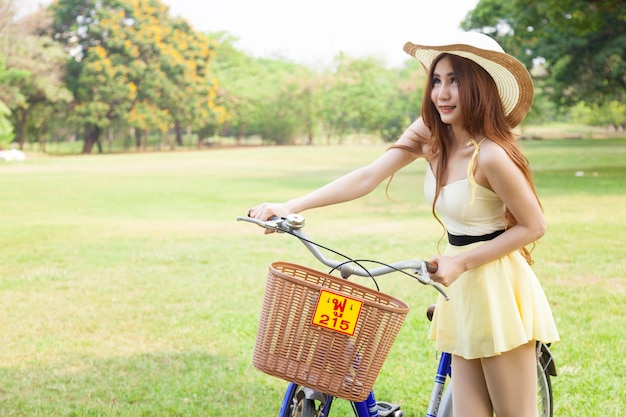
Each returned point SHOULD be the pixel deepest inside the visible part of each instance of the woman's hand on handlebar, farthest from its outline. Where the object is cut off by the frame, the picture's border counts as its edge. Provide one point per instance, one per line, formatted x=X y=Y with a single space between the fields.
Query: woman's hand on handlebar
x=265 y=211
x=448 y=269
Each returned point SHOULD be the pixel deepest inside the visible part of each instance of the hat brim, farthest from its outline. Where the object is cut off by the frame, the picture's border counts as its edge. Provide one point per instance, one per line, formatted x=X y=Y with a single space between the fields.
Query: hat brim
x=514 y=83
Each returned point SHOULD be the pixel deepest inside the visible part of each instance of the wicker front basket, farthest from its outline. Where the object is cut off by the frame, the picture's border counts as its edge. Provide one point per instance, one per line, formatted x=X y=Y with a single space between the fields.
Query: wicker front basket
x=290 y=347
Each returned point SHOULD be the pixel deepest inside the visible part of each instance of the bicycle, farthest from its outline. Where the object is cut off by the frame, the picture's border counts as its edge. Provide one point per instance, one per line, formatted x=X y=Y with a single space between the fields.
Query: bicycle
x=311 y=391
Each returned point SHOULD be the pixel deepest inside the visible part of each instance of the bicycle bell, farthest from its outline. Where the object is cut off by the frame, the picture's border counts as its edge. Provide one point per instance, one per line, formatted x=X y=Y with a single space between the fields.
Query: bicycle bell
x=295 y=221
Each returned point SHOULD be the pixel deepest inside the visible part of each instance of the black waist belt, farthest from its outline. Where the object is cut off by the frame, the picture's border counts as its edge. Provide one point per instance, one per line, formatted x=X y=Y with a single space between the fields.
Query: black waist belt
x=456 y=240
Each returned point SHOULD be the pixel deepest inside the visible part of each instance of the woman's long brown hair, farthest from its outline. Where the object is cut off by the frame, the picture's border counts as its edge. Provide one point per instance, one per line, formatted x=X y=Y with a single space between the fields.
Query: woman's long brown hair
x=483 y=114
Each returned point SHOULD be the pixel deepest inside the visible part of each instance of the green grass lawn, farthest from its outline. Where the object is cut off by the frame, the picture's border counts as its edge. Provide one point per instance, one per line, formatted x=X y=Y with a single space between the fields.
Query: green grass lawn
x=127 y=288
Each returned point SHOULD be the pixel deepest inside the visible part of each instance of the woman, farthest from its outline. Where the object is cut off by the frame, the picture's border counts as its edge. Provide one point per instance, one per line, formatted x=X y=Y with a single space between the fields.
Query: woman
x=481 y=189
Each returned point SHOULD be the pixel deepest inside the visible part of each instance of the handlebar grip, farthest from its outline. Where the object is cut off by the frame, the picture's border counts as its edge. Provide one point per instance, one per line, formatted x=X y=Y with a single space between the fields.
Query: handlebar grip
x=431 y=267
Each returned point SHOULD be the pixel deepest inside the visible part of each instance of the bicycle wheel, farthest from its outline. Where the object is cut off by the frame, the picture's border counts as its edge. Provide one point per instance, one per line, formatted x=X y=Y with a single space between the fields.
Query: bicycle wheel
x=544 y=389
x=304 y=402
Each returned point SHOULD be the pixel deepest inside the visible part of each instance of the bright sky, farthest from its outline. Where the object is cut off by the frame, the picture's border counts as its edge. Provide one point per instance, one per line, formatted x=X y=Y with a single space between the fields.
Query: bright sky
x=314 y=31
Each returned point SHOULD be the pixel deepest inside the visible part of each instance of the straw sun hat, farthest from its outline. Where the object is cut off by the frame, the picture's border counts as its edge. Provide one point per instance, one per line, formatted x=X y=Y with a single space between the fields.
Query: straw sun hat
x=514 y=83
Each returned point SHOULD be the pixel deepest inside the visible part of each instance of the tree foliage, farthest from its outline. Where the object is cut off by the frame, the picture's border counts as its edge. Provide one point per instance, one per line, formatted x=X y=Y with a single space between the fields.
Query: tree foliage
x=34 y=70
x=281 y=101
x=127 y=72
x=9 y=95
x=134 y=65
x=6 y=129
x=583 y=43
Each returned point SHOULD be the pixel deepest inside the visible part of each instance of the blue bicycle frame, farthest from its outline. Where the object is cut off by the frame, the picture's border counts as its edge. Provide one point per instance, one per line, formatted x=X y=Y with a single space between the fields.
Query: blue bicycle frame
x=443 y=372
x=370 y=408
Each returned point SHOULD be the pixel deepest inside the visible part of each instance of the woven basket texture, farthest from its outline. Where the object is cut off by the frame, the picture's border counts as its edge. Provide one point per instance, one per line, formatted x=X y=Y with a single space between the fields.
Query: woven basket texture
x=290 y=347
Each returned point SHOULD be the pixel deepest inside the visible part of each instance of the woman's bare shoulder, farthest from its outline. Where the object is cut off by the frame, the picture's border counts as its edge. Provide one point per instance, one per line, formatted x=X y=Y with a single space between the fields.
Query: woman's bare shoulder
x=496 y=165
x=491 y=154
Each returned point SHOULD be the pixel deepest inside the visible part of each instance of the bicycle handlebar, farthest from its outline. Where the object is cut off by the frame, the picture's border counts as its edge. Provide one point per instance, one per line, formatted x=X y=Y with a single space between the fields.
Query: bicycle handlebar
x=293 y=224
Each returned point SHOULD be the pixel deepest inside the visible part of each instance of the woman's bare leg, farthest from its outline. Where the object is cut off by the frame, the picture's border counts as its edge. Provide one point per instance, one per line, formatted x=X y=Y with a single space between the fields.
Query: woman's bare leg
x=511 y=379
x=470 y=397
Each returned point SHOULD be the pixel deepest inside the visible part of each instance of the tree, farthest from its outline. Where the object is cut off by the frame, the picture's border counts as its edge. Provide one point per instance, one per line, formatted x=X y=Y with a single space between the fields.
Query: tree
x=362 y=96
x=238 y=85
x=280 y=100
x=402 y=101
x=98 y=78
x=267 y=97
x=6 y=129
x=607 y=114
x=307 y=101
x=9 y=94
x=583 y=43
x=282 y=114
x=133 y=64
x=341 y=97
x=29 y=51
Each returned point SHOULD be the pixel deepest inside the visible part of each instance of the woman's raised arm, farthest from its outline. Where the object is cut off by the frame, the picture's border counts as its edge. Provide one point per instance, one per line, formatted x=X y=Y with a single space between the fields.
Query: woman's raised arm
x=413 y=143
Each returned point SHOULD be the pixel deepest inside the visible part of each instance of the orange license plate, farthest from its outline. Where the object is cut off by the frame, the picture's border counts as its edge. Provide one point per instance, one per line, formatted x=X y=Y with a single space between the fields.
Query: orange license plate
x=337 y=312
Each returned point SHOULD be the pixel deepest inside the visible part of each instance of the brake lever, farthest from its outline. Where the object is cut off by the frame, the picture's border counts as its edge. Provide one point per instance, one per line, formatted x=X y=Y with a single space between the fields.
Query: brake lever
x=439 y=288
x=273 y=223
x=278 y=224
x=423 y=276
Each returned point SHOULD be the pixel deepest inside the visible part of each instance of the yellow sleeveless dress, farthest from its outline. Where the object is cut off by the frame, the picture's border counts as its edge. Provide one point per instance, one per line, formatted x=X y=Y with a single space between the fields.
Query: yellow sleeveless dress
x=497 y=306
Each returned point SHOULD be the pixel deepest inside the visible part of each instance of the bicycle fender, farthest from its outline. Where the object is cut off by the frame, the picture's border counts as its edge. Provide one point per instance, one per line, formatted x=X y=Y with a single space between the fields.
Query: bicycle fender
x=548 y=359
x=312 y=394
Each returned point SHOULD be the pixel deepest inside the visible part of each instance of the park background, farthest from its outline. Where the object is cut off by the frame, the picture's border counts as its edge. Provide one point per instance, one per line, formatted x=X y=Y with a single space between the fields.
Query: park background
x=126 y=285
x=80 y=76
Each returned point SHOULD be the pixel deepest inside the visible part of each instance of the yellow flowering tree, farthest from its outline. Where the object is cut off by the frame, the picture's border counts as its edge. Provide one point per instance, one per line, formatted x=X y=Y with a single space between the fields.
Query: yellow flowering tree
x=134 y=65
